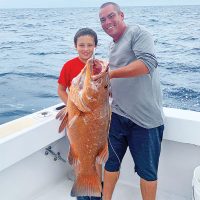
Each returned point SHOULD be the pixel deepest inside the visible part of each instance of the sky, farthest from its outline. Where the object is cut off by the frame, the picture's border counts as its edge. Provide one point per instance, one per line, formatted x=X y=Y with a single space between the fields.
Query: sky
x=89 y=3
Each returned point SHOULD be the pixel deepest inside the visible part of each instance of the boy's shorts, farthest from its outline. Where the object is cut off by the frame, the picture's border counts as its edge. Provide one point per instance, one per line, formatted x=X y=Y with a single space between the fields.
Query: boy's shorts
x=144 y=145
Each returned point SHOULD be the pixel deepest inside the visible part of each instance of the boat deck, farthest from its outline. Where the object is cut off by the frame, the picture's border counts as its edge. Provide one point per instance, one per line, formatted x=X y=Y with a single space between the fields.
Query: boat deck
x=62 y=192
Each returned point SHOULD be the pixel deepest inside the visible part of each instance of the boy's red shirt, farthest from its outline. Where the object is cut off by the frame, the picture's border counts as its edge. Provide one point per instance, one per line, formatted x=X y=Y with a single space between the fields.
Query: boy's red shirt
x=70 y=70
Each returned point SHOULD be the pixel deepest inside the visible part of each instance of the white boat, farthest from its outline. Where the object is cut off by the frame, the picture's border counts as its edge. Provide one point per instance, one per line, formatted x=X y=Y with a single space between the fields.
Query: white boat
x=27 y=173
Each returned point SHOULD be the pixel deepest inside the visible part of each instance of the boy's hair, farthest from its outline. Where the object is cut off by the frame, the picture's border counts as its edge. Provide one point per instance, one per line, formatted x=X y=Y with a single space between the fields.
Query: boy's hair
x=85 y=31
x=116 y=6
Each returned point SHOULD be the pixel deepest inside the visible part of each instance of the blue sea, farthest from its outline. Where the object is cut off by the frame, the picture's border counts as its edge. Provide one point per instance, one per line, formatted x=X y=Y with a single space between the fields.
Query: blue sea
x=35 y=43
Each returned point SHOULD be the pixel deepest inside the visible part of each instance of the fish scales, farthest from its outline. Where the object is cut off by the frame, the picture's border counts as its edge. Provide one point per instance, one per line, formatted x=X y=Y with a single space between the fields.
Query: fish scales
x=87 y=121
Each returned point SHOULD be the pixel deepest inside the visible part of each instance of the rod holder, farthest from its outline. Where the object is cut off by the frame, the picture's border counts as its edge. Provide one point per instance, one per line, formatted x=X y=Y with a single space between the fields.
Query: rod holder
x=56 y=156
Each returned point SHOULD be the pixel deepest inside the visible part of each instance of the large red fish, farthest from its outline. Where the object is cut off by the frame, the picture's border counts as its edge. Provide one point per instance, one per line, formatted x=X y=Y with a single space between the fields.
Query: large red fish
x=87 y=122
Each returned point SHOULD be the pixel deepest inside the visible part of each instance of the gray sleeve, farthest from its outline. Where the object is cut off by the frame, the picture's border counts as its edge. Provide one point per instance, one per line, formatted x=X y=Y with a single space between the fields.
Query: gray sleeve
x=143 y=47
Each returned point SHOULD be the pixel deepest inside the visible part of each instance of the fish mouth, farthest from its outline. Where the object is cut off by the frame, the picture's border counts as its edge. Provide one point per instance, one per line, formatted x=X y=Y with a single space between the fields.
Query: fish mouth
x=98 y=69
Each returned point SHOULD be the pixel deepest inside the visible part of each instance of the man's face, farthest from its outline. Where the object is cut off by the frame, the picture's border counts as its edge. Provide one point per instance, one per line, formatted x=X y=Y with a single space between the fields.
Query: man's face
x=111 y=21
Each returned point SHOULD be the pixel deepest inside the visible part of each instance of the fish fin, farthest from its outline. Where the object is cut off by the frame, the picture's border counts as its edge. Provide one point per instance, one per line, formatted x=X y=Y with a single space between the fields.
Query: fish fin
x=103 y=155
x=72 y=157
x=76 y=97
x=64 y=123
x=87 y=185
x=61 y=114
x=79 y=102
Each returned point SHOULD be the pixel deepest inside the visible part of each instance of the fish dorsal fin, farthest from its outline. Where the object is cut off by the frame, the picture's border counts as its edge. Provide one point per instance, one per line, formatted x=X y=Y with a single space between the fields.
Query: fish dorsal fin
x=103 y=155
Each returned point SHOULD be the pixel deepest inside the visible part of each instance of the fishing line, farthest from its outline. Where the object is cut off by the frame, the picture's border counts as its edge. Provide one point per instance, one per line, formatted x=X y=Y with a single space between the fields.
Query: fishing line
x=114 y=152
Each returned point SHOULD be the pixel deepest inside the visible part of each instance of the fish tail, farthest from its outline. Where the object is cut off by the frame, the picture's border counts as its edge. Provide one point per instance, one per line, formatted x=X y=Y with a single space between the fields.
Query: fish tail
x=87 y=185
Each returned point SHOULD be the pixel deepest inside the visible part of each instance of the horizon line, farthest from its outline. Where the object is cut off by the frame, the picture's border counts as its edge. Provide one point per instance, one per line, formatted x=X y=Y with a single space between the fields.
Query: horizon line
x=165 y=5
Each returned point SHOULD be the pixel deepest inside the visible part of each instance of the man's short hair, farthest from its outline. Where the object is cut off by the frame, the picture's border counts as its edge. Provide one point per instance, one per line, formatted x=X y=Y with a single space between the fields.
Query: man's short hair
x=116 y=6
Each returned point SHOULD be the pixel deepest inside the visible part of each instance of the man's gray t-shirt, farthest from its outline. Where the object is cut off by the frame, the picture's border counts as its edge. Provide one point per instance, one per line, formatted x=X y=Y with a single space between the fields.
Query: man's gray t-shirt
x=137 y=98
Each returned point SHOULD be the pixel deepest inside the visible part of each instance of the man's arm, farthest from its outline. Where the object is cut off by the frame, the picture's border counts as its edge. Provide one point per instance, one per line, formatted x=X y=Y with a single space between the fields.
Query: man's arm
x=135 y=68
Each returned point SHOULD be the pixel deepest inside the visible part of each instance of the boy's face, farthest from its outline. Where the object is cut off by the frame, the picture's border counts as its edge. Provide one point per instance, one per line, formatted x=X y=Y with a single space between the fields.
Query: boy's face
x=85 y=47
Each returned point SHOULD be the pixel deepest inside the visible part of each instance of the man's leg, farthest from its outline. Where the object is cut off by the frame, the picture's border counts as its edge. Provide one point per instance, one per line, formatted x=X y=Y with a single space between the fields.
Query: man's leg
x=148 y=189
x=110 y=180
x=117 y=146
x=145 y=147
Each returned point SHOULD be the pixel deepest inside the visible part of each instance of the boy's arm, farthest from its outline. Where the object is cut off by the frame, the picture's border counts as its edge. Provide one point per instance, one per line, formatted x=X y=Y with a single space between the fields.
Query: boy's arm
x=62 y=93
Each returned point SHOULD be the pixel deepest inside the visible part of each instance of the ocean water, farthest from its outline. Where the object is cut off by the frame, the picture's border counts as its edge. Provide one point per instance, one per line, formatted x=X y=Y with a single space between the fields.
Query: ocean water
x=35 y=43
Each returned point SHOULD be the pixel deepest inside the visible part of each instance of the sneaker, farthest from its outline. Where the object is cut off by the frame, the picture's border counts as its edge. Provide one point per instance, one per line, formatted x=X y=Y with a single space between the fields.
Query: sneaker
x=96 y=198
x=89 y=198
x=83 y=198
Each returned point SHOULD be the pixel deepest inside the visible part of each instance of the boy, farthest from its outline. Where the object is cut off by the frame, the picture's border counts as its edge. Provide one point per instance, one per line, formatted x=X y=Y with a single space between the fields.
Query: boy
x=85 y=42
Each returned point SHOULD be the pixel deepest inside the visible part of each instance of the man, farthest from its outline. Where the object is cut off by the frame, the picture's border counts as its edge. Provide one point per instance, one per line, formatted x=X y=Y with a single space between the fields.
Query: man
x=137 y=116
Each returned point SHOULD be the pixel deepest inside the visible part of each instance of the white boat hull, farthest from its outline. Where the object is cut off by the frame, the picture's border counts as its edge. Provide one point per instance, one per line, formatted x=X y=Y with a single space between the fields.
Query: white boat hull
x=26 y=173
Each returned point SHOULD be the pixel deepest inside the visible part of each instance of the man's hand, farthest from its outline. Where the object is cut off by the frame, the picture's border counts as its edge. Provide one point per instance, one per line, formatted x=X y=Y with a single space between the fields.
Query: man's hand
x=110 y=74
